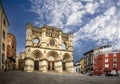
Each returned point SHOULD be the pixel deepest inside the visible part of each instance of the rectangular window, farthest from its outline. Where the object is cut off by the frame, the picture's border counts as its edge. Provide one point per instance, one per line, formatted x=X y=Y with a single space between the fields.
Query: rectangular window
x=3 y=46
x=3 y=58
x=91 y=60
x=114 y=60
x=114 y=66
x=106 y=55
x=114 y=54
x=106 y=65
x=106 y=60
x=4 y=22
x=3 y=34
x=87 y=61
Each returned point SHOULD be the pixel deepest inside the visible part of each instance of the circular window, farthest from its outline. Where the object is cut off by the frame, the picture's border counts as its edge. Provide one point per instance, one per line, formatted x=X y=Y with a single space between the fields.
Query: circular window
x=36 y=40
x=52 y=42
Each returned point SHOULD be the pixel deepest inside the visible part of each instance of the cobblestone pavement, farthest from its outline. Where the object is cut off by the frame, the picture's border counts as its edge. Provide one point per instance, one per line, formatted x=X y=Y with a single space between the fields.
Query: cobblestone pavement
x=19 y=77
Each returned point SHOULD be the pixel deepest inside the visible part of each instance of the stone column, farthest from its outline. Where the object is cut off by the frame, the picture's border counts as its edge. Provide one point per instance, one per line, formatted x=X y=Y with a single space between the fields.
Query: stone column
x=28 y=34
x=43 y=65
x=70 y=43
x=43 y=37
x=29 y=65
x=51 y=65
x=58 y=66
x=60 y=40
x=69 y=66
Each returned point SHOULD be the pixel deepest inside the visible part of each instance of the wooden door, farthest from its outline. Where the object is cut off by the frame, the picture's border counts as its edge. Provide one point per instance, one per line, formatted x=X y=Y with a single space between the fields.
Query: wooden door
x=49 y=65
x=64 y=67
x=53 y=65
x=36 y=65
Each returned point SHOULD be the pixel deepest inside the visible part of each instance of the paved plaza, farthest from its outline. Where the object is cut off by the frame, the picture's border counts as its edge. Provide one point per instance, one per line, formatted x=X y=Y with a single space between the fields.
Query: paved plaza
x=19 y=77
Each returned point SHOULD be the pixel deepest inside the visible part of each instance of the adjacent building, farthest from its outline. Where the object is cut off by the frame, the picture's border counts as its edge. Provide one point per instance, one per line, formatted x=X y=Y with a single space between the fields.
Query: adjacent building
x=88 y=61
x=107 y=61
x=48 y=49
x=20 y=62
x=102 y=60
x=3 y=36
x=77 y=67
x=11 y=52
x=82 y=65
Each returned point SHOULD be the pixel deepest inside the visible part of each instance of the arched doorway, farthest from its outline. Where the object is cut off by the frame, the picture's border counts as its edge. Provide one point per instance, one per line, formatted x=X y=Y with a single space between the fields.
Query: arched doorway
x=36 y=55
x=52 y=57
x=51 y=63
x=36 y=65
x=66 y=59
x=63 y=65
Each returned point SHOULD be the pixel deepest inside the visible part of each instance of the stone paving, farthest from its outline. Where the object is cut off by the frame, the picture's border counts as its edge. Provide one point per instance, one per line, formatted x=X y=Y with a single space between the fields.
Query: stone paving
x=19 y=77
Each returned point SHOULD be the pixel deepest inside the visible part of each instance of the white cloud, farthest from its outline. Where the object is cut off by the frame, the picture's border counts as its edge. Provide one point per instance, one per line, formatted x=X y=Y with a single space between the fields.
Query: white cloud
x=118 y=3
x=102 y=1
x=61 y=13
x=104 y=29
x=75 y=18
x=88 y=0
x=56 y=10
x=91 y=7
x=66 y=30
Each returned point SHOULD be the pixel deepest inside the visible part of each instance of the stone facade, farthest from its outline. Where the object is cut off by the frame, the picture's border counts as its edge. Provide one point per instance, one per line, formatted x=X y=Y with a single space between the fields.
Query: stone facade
x=48 y=49
x=11 y=52
x=20 y=63
x=3 y=36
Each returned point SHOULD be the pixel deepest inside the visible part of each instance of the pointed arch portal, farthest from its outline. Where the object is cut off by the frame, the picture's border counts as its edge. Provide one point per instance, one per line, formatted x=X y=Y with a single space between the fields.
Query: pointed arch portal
x=66 y=59
x=36 y=55
x=36 y=65
x=52 y=56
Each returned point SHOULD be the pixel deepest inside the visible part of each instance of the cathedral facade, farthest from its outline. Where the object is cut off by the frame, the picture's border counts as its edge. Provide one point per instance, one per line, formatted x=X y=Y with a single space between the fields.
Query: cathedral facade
x=48 y=49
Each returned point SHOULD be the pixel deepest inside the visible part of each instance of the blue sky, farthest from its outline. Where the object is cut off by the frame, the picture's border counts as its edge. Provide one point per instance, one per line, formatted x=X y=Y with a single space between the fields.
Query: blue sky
x=93 y=22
